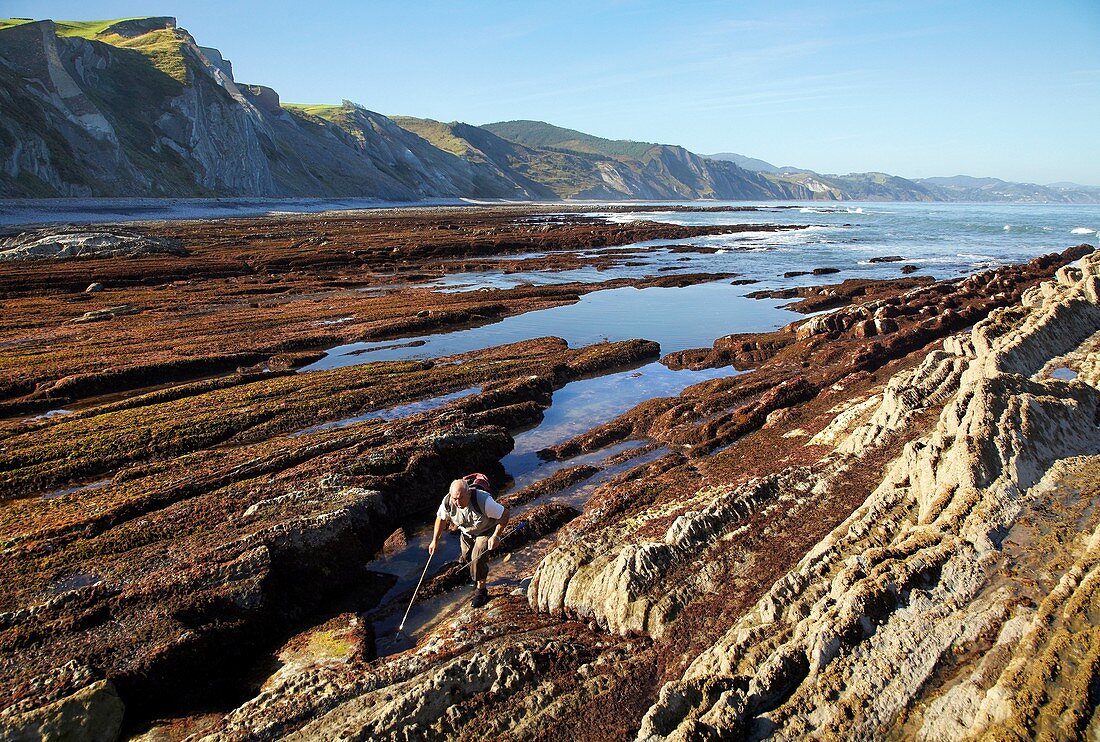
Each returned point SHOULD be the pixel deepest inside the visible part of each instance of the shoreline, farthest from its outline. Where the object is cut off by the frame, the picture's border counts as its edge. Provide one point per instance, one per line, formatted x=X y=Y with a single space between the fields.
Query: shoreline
x=15 y=213
x=220 y=527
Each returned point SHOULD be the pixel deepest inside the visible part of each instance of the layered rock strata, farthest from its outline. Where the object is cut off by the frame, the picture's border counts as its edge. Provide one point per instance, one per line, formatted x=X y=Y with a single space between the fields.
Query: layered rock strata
x=75 y=242
x=907 y=542
x=888 y=527
x=930 y=573
x=202 y=544
x=256 y=293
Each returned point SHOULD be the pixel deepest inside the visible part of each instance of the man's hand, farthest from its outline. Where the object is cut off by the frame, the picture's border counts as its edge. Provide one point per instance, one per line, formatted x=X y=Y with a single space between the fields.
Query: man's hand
x=436 y=532
x=492 y=542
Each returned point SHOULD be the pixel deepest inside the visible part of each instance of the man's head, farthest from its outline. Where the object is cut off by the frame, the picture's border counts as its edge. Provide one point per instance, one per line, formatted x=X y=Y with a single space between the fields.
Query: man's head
x=460 y=493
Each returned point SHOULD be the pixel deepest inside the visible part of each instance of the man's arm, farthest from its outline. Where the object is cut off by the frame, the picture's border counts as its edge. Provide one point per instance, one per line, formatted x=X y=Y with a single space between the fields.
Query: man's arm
x=435 y=535
x=501 y=522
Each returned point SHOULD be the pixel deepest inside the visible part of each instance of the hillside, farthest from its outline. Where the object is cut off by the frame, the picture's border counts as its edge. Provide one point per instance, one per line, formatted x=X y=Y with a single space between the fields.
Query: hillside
x=138 y=108
x=542 y=134
x=855 y=186
x=135 y=107
x=551 y=173
x=646 y=170
x=684 y=172
x=967 y=188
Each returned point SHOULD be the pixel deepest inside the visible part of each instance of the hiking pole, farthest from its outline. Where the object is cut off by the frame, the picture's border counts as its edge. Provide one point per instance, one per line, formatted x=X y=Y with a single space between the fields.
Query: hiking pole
x=423 y=574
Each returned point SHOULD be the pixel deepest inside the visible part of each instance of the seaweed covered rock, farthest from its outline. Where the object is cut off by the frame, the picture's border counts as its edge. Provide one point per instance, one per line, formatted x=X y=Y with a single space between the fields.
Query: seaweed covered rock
x=940 y=566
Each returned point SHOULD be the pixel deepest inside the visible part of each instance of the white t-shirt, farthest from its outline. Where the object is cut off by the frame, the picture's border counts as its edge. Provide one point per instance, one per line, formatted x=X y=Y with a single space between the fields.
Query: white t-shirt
x=468 y=518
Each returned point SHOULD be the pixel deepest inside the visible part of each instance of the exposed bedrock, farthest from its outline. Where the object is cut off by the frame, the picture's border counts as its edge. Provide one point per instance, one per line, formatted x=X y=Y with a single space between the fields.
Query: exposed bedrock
x=505 y=658
x=251 y=294
x=908 y=548
x=926 y=575
x=887 y=528
x=231 y=515
x=84 y=242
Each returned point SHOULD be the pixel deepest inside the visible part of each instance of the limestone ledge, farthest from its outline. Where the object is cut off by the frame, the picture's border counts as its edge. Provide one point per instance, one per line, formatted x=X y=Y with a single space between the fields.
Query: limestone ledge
x=611 y=577
x=851 y=640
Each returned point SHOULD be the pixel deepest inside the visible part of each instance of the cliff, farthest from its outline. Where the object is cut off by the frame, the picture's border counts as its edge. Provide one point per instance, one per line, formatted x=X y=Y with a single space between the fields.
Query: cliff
x=137 y=108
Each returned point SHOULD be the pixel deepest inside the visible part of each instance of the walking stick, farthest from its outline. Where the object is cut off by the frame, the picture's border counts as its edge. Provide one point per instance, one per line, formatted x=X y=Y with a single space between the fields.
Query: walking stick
x=423 y=574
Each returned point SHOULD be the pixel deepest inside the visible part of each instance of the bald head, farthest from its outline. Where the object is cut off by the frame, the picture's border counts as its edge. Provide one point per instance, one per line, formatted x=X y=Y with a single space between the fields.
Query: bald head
x=460 y=493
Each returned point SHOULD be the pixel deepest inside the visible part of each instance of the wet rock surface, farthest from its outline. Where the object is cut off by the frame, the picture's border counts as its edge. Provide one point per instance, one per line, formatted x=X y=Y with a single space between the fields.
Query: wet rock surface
x=252 y=291
x=919 y=613
x=831 y=296
x=886 y=526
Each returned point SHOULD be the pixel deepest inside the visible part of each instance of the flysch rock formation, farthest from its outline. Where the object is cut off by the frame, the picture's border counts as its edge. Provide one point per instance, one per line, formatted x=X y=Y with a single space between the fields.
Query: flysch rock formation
x=961 y=598
x=958 y=599
x=885 y=529
x=77 y=242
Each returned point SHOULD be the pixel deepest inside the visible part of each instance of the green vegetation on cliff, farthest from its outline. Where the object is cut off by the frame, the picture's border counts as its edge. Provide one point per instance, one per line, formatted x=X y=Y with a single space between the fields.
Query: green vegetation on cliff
x=549 y=173
x=541 y=134
x=78 y=29
x=322 y=111
x=9 y=22
x=436 y=133
x=163 y=47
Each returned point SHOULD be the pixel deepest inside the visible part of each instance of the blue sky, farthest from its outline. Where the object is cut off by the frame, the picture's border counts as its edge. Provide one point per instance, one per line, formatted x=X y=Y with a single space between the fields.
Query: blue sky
x=1008 y=89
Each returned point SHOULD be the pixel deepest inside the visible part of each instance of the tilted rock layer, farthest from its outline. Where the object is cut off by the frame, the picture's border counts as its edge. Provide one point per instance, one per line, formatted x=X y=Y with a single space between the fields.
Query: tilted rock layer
x=869 y=535
x=961 y=598
x=74 y=242
x=917 y=558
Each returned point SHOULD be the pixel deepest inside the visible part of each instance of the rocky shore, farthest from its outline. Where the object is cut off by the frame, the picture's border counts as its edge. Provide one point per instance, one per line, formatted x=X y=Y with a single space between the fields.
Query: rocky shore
x=268 y=291
x=886 y=526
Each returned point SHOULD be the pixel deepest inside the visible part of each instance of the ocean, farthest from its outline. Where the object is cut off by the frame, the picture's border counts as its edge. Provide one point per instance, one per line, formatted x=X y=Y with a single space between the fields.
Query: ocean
x=941 y=240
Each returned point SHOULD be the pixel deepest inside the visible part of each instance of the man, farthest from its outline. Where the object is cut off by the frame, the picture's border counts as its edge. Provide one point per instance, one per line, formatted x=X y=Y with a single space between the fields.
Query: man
x=480 y=520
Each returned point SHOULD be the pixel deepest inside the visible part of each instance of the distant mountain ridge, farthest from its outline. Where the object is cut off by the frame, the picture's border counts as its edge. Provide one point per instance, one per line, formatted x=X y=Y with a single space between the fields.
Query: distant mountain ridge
x=136 y=107
x=967 y=188
x=871 y=186
x=629 y=169
x=746 y=162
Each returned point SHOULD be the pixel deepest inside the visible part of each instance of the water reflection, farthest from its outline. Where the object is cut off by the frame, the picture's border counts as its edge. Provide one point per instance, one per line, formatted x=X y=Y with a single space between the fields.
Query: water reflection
x=677 y=318
x=582 y=405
